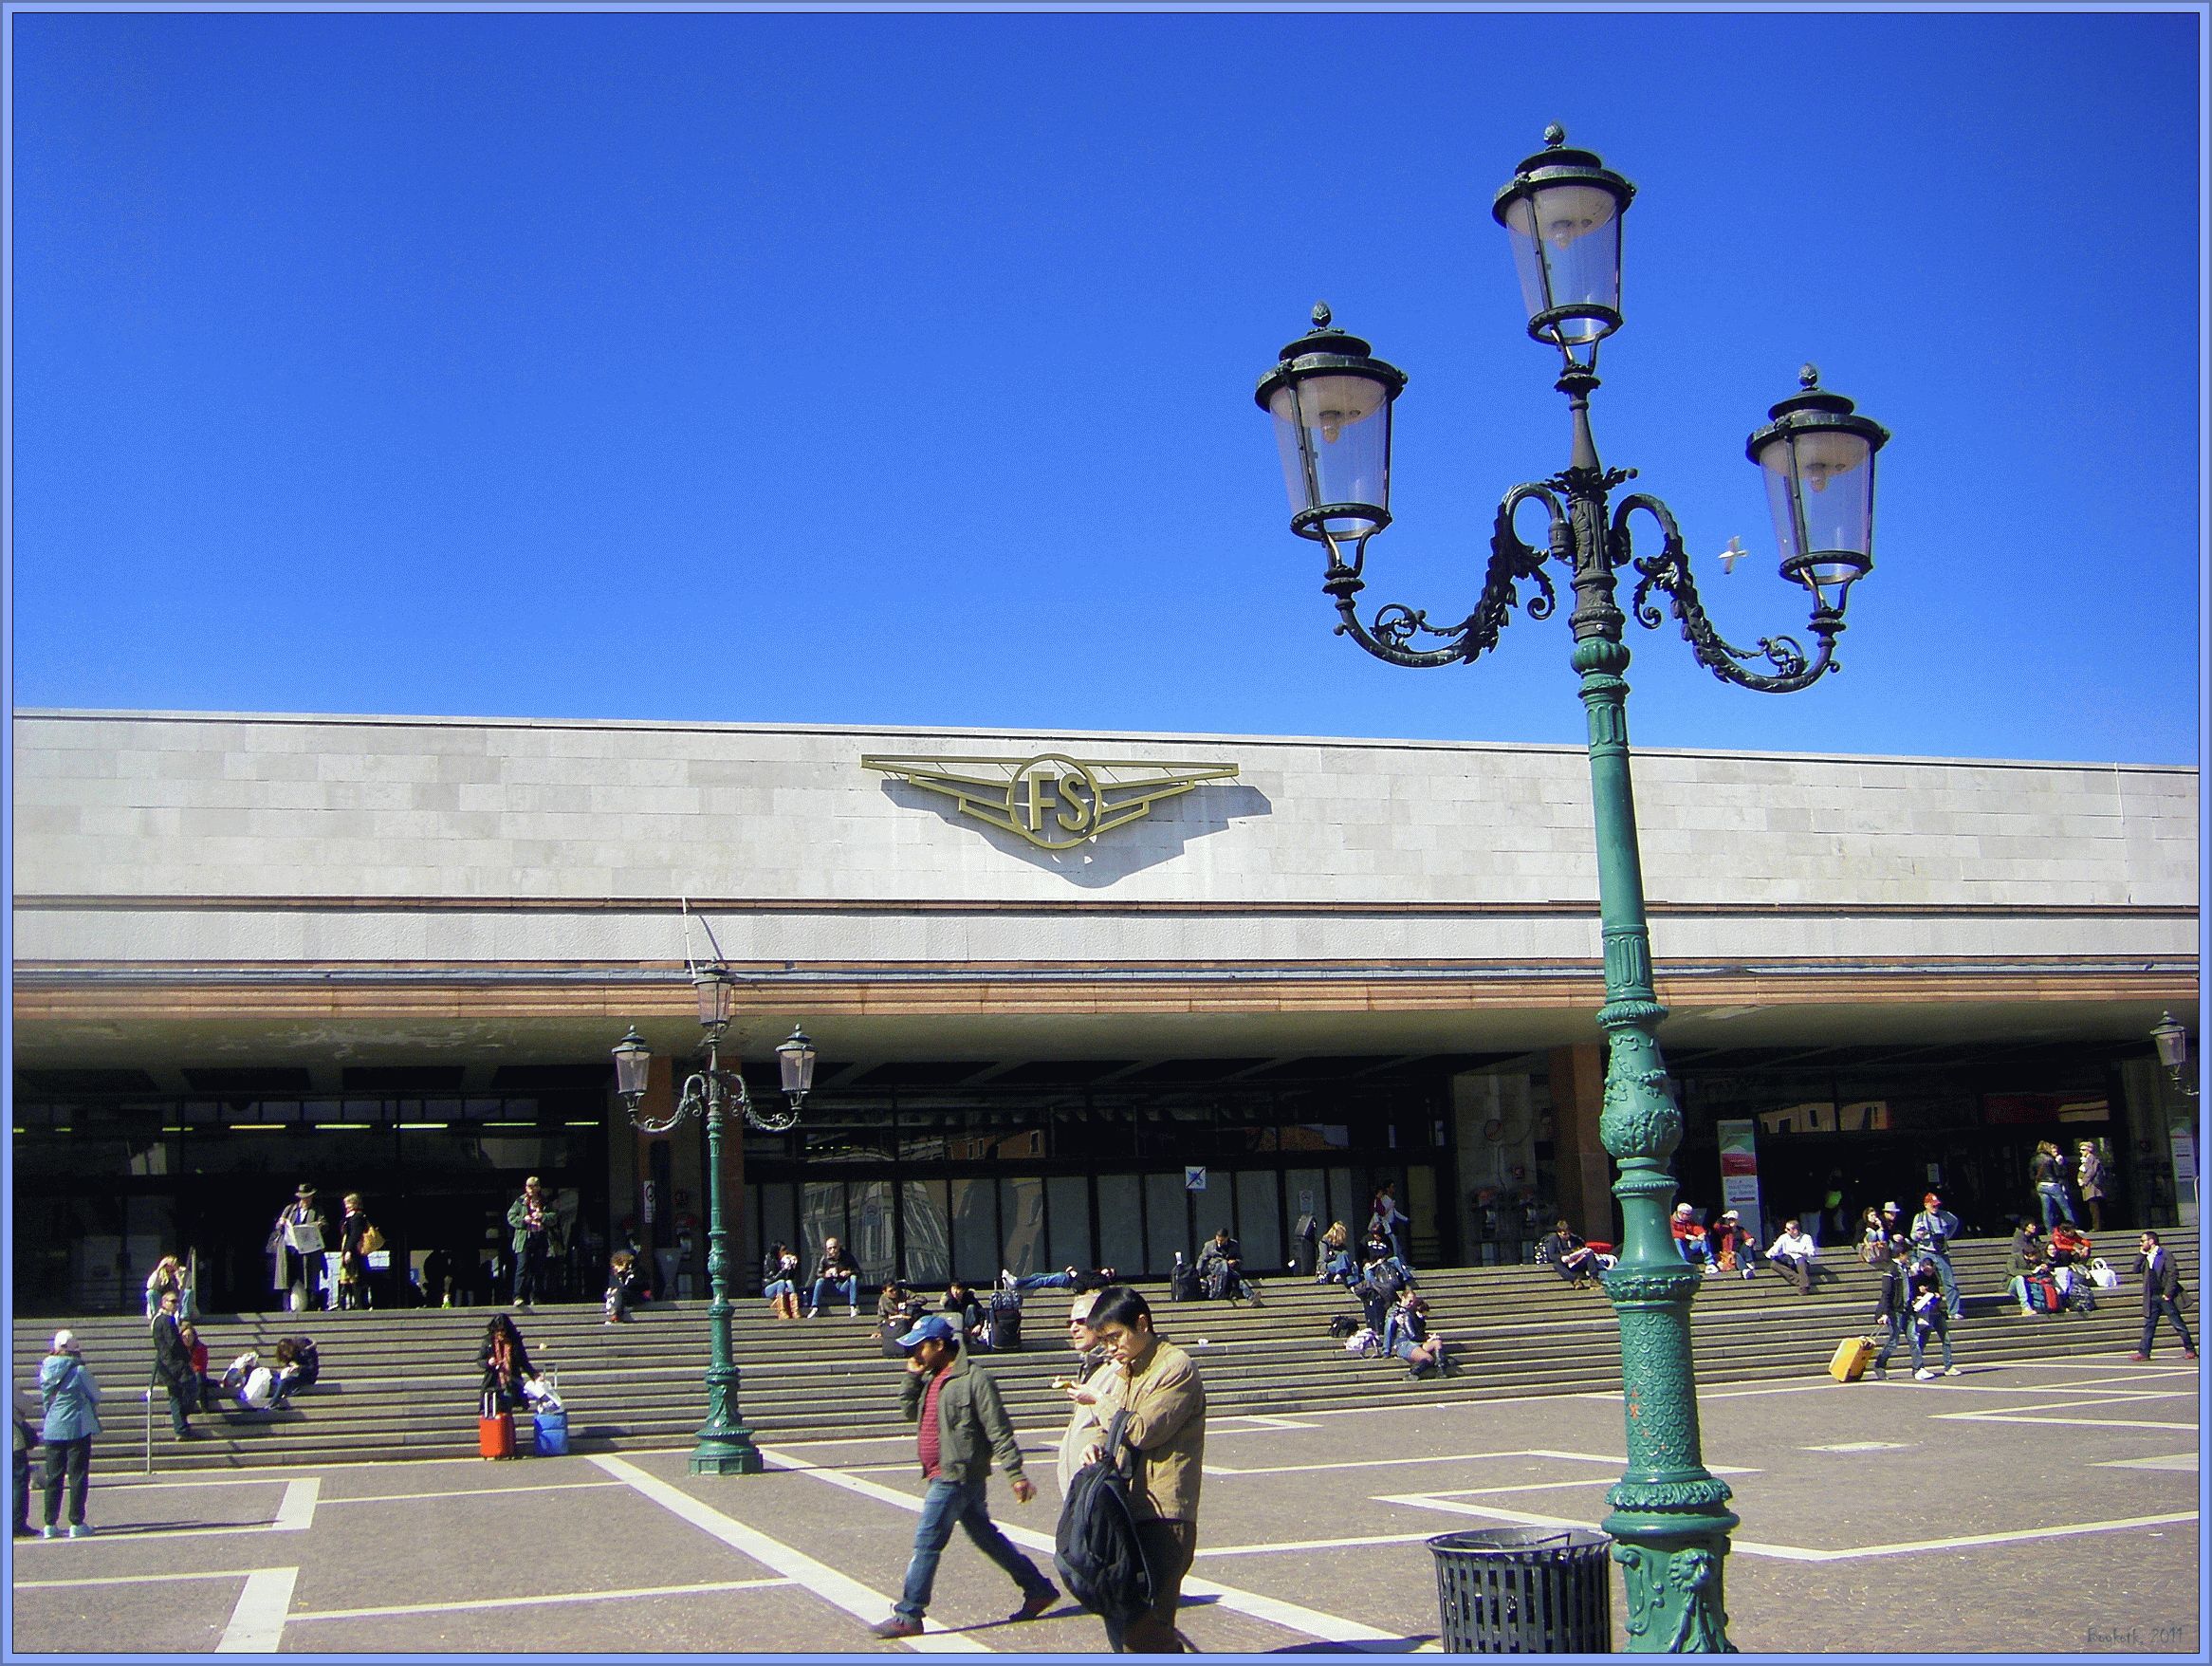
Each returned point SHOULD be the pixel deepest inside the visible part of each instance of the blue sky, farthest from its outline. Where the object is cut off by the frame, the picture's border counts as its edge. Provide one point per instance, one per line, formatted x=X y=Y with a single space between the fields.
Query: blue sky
x=898 y=368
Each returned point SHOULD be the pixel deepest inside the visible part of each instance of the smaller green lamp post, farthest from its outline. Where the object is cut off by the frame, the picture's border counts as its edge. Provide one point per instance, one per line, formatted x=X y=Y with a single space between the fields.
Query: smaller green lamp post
x=725 y=1445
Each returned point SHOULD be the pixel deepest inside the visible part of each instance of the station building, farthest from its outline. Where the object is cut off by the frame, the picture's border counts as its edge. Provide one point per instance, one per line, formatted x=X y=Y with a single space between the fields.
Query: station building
x=1077 y=998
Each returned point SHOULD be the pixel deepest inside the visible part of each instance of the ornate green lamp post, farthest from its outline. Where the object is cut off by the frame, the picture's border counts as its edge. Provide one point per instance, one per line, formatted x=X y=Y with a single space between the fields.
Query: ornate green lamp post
x=725 y=1445
x=1332 y=405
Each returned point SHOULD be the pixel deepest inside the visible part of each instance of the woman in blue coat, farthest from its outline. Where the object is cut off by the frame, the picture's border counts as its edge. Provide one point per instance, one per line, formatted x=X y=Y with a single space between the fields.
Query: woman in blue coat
x=71 y=1400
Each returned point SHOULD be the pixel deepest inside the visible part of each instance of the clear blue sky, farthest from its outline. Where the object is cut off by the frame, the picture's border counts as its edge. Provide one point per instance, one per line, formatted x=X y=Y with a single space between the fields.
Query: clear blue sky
x=898 y=368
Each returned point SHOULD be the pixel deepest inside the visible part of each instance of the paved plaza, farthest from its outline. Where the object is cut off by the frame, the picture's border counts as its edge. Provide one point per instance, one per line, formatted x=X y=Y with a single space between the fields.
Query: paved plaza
x=2050 y=1507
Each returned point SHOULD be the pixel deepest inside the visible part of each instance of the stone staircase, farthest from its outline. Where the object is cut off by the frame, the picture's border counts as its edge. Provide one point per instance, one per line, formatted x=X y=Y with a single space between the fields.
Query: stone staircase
x=402 y=1384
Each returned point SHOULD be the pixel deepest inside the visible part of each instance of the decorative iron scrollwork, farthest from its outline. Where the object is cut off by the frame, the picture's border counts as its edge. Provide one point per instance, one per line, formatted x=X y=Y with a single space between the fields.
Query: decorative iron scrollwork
x=1396 y=625
x=1669 y=571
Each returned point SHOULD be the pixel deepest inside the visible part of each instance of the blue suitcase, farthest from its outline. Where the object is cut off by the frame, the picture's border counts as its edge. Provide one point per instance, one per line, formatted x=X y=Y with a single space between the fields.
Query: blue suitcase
x=553 y=1434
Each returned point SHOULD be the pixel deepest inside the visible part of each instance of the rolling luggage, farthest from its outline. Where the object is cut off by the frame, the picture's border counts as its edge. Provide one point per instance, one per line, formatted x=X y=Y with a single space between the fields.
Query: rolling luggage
x=1005 y=1322
x=495 y=1429
x=1852 y=1356
x=552 y=1431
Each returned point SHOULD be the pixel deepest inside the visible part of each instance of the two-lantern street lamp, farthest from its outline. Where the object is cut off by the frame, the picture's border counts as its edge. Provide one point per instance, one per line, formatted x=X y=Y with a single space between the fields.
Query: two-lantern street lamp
x=1332 y=403
x=725 y=1445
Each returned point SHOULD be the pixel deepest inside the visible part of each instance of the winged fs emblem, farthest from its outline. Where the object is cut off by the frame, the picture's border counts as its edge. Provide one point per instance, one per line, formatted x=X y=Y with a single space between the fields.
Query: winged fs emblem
x=1053 y=801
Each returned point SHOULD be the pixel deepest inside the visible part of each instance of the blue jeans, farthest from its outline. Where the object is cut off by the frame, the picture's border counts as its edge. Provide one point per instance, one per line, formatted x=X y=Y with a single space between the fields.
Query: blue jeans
x=2052 y=1195
x=1697 y=1251
x=1045 y=1281
x=1943 y=1277
x=950 y=1504
x=850 y=1285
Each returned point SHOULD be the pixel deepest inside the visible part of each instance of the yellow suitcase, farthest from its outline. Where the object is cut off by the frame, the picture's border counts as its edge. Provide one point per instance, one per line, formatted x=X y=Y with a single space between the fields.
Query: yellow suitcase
x=1852 y=1356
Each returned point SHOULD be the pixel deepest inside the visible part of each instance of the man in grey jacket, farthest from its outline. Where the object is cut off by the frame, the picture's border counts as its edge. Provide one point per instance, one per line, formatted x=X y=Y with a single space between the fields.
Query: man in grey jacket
x=961 y=1424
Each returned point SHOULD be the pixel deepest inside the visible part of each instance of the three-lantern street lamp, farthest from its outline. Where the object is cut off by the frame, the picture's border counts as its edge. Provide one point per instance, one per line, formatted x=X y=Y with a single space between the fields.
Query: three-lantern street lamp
x=1332 y=403
x=725 y=1445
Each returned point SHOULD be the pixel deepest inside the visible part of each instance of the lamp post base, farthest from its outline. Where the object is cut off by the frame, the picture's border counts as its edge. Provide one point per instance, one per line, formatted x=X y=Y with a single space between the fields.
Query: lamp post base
x=726 y=1452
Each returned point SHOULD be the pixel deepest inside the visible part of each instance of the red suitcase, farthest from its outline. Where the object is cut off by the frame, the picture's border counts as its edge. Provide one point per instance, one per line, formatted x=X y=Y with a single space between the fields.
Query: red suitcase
x=495 y=1429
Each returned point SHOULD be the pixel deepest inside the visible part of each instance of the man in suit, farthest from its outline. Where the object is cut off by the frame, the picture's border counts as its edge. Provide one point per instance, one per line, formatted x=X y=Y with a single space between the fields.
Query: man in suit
x=2162 y=1292
x=172 y=1365
x=296 y=1270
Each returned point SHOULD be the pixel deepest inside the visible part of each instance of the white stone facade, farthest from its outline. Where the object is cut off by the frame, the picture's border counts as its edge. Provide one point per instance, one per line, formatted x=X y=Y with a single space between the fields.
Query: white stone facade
x=260 y=839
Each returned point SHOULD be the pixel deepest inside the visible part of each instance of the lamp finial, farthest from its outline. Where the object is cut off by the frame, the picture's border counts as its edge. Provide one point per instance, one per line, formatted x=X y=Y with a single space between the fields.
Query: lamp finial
x=1808 y=378
x=1555 y=135
x=1321 y=315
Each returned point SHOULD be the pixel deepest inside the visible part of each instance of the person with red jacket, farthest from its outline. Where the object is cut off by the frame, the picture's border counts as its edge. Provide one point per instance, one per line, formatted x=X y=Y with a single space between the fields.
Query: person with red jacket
x=1689 y=1239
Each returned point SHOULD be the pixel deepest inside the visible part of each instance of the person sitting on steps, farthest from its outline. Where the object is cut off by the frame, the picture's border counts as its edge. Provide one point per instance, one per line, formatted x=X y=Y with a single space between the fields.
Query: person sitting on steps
x=834 y=1274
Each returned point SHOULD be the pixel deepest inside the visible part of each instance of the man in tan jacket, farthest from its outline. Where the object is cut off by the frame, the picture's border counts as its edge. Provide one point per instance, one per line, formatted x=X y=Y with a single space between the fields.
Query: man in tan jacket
x=1160 y=1390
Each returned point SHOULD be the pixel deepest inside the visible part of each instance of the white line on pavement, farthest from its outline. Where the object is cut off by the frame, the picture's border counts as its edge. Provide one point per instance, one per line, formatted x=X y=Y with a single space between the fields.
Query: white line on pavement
x=146 y=1579
x=2062 y=1422
x=257 y=1622
x=2180 y=1460
x=1267 y=1423
x=1309 y=1622
x=1803 y=1553
x=838 y=1589
x=466 y=1492
x=296 y=1513
x=537 y=1601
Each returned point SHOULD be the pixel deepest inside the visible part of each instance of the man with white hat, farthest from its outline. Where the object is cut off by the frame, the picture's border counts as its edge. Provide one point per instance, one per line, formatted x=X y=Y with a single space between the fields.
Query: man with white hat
x=71 y=1398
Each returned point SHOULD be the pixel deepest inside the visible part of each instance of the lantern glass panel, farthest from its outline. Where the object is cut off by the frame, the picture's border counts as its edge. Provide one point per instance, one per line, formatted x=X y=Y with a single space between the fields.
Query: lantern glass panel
x=795 y=1059
x=1566 y=247
x=1335 y=435
x=713 y=992
x=633 y=1063
x=1820 y=486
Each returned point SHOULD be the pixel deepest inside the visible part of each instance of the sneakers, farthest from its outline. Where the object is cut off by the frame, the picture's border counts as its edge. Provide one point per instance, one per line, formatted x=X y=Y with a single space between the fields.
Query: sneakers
x=1953 y=1371
x=1035 y=1603
x=1923 y=1373
x=898 y=1625
x=852 y=1310
x=1005 y=1278
x=810 y=1313
x=50 y=1531
x=2140 y=1358
x=2188 y=1353
x=80 y=1530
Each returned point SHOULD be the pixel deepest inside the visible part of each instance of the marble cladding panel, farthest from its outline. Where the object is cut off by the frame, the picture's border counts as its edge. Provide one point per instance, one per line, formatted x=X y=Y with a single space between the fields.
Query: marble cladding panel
x=381 y=806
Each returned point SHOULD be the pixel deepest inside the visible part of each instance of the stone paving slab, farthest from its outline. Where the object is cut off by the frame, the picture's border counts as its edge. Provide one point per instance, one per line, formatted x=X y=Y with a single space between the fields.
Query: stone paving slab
x=2049 y=1506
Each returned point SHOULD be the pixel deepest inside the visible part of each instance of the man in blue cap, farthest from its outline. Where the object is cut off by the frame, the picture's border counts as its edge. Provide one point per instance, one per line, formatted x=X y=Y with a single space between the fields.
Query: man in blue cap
x=962 y=1423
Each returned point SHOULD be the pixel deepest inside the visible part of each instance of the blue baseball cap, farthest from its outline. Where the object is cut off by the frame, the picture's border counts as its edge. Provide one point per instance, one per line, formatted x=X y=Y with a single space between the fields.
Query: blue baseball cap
x=935 y=1328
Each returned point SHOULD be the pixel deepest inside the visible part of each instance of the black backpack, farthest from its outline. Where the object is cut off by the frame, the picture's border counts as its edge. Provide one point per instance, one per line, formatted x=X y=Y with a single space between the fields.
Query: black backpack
x=1342 y=1326
x=1183 y=1284
x=1097 y=1550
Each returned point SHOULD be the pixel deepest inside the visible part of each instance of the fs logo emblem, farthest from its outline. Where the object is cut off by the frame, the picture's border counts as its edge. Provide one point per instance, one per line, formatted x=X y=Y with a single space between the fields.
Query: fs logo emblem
x=1053 y=801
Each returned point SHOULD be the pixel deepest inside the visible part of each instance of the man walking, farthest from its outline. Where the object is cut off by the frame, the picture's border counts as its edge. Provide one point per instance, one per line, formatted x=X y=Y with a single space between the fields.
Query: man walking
x=531 y=1223
x=1933 y=1228
x=962 y=1423
x=2162 y=1293
x=1166 y=1426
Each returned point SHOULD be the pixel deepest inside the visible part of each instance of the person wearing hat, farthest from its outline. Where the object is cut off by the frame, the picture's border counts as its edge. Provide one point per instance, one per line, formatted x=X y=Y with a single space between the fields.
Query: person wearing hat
x=1733 y=1245
x=960 y=1423
x=71 y=1401
x=295 y=1269
x=1933 y=1228
x=1690 y=1239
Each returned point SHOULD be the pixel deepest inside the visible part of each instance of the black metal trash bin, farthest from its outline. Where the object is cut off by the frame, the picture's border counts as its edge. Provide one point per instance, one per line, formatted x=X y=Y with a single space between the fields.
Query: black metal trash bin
x=1525 y=1591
